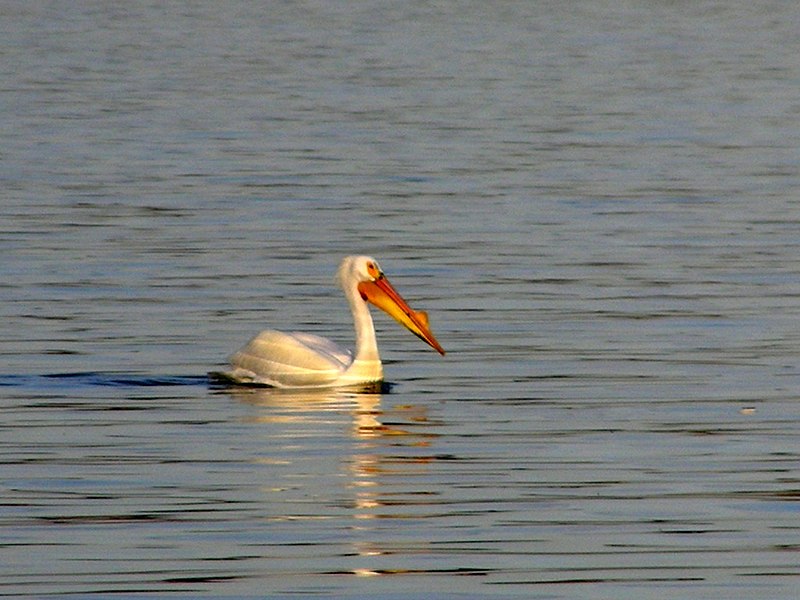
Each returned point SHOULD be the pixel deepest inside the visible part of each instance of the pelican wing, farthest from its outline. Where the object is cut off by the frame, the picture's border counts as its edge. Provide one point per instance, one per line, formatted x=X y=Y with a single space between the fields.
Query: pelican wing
x=289 y=360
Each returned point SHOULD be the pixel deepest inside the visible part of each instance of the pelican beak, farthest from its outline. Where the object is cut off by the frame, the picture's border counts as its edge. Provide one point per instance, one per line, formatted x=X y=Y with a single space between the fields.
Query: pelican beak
x=381 y=293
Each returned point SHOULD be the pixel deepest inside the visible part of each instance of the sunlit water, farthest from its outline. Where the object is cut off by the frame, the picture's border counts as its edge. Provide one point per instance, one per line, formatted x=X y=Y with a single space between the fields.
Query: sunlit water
x=597 y=205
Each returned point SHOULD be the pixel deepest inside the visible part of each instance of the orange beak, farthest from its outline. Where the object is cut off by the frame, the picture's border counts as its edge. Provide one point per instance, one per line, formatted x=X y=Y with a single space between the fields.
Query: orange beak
x=381 y=293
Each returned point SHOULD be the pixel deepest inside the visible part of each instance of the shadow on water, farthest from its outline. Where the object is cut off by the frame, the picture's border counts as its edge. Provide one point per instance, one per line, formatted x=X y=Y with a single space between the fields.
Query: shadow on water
x=213 y=380
x=221 y=380
x=90 y=379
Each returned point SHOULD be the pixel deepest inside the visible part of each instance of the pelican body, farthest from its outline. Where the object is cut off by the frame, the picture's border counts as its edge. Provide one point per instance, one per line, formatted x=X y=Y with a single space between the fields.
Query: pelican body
x=302 y=360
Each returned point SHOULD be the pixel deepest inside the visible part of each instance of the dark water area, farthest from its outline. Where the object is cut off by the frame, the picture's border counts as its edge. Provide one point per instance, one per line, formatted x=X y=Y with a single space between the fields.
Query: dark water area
x=597 y=205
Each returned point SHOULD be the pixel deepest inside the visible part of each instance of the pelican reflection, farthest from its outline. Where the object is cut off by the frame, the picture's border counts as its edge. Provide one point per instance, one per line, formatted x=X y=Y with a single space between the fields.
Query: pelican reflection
x=332 y=450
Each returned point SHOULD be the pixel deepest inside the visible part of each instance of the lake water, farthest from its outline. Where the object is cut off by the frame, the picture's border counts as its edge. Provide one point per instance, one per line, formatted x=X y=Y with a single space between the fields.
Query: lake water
x=596 y=202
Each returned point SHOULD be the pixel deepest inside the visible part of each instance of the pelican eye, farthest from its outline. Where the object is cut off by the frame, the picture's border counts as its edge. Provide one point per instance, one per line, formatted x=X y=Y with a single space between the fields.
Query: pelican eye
x=373 y=270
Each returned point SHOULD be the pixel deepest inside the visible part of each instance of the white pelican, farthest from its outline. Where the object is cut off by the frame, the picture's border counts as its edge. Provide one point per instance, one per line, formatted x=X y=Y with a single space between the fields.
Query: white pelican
x=302 y=360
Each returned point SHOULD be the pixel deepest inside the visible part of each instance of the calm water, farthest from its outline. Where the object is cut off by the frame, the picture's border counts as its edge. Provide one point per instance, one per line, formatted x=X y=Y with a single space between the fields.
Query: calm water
x=597 y=204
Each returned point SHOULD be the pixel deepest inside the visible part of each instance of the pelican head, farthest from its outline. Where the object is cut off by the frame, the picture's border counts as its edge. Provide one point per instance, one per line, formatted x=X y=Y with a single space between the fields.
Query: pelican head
x=363 y=274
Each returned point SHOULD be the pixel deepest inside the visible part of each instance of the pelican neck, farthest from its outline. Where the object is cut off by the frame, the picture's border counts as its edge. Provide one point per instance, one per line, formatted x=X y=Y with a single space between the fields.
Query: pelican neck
x=366 y=343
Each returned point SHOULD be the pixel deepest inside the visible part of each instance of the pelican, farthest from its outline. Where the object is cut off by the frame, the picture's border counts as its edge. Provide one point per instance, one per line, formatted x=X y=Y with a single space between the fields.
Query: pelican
x=302 y=360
